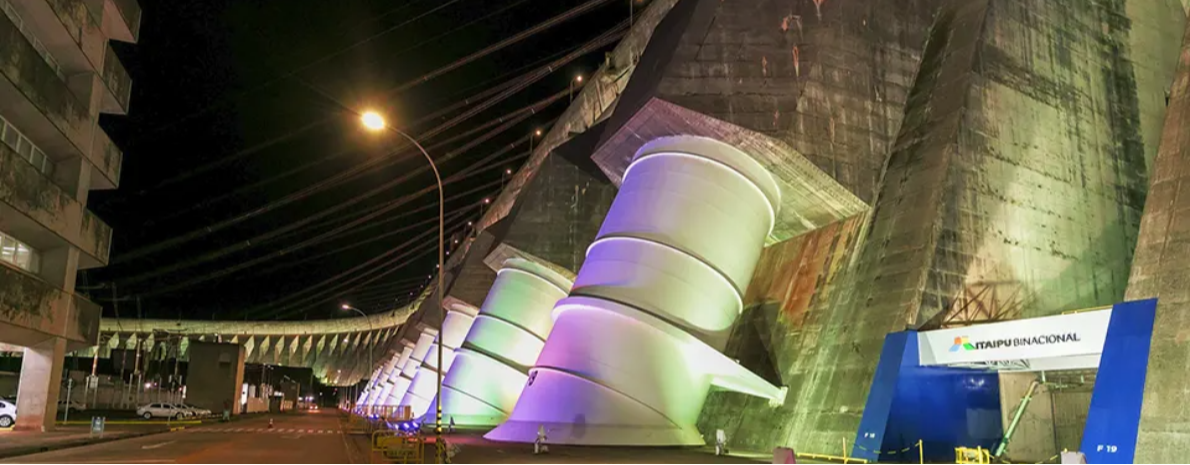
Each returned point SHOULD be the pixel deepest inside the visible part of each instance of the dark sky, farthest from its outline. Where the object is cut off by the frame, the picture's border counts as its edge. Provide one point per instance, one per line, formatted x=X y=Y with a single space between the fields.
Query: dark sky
x=224 y=95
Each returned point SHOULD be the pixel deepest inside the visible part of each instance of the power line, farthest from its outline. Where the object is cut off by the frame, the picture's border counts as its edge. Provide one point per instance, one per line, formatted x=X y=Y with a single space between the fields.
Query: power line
x=540 y=27
x=393 y=255
x=324 y=184
x=469 y=171
x=245 y=244
x=532 y=108
x=386 y=271
x=379 y=236
x=308 y=65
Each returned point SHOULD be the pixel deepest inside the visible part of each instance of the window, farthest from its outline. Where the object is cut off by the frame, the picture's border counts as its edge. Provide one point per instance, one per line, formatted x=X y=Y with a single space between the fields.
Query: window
x=18 y=253
x=25 y=148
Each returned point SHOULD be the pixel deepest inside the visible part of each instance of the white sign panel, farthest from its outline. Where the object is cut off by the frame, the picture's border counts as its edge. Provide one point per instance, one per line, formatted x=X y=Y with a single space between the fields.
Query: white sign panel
x=1076 y=335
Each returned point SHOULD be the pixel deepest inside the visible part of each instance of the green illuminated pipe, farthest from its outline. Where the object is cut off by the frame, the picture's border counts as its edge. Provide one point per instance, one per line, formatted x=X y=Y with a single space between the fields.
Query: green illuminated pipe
x=1016 y=418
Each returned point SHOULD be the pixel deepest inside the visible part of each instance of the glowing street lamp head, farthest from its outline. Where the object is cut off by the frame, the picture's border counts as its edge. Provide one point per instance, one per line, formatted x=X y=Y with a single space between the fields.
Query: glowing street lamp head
x=345 y=307
x=538 y=132
x=372 y=120
x=579 y=78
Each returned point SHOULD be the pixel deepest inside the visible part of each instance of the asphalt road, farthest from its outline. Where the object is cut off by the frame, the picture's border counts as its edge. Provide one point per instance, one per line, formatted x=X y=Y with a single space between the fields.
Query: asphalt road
x=313 y=437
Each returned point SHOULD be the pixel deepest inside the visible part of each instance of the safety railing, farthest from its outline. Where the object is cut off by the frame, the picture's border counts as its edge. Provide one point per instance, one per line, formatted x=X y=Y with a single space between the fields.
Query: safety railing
x=385 y=412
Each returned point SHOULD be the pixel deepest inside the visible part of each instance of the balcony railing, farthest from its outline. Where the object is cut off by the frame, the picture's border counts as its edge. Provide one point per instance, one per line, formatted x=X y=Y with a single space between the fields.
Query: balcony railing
x=130 y=11
x=95 y=236
x=26 y=190
x=16 y=21
x=41 y=84
x=107 y=157
x=117 y=79
x=76 y=18
x=29 y=303
x=85 y=316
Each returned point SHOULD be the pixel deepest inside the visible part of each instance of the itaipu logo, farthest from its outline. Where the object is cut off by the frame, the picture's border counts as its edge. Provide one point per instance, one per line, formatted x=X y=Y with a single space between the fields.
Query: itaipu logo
x=961 y=343
x=964 y=344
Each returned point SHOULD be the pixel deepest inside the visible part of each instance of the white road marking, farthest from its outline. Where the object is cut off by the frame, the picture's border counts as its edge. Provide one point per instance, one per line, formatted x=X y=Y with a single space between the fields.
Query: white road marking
x=154 y=446
x=129 y=461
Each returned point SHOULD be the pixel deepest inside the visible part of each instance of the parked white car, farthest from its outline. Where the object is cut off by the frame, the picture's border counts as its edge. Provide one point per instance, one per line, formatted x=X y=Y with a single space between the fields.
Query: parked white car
x=157 y=410
x=8 y=413
x=70 y=404
x=195 y=411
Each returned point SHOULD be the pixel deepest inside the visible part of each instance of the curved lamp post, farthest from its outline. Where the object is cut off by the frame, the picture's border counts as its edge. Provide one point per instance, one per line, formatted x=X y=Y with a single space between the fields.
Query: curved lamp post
x=370 y=329
x=374 y=122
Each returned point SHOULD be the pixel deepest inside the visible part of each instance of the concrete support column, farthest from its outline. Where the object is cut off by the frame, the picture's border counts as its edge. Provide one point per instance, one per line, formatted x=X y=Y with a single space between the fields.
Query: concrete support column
x=458 y=321
x=489 y=371
x=416 y=356
x=41 y=376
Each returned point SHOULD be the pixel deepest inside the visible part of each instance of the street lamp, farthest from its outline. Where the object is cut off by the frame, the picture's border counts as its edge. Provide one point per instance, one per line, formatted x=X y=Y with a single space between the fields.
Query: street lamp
x=577 y=79
x=369 y=320
x=373 y=121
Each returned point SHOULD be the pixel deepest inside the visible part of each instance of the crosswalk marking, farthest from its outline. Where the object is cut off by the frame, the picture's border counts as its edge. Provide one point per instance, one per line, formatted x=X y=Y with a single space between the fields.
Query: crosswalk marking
x=261 y=430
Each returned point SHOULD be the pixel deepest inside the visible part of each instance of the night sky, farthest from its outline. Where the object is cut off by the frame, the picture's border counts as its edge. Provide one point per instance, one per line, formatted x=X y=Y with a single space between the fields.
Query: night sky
x=237 y=105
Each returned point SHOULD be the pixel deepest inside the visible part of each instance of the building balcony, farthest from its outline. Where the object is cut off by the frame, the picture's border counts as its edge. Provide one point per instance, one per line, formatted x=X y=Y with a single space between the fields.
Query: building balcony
x=121 y=20
x=118 y=84
x=35 y=98
x=43 y=215
x=107 y=160
x=67 y=31
x=33 y=311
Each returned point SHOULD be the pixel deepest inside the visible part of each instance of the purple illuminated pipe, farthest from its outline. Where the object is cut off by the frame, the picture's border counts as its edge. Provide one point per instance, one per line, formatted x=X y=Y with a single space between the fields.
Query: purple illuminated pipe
x=457 y=323
x=635 y=348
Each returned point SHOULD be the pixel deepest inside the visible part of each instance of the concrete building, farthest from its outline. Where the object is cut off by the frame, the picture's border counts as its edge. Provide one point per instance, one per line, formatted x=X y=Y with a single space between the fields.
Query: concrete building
x=58 y=73
x=215 y=376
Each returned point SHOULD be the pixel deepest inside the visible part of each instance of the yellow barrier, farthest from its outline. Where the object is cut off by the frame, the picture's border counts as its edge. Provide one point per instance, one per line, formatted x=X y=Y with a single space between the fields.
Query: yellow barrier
x=805 y=455
x=920 y=454
x=977 y=455
x=399 y=447
x=1051 y=459
x=134 y=422
x=357 y=424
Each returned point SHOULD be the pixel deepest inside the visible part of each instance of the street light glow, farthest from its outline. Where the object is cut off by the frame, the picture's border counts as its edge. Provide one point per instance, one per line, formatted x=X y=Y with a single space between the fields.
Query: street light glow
x=579 y=78
x=372 y=120
x=345 y=307
x=538 y=132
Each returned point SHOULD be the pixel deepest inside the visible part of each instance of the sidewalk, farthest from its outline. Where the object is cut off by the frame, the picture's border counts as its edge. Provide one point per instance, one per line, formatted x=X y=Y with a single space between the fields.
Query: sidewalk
x=17 y=443
x=471 y=447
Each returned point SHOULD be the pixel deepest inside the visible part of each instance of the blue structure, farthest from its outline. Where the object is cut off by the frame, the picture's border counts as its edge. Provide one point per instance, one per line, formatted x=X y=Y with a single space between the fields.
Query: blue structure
x=944 y=407
x=948 y=407
x=1114 y=417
